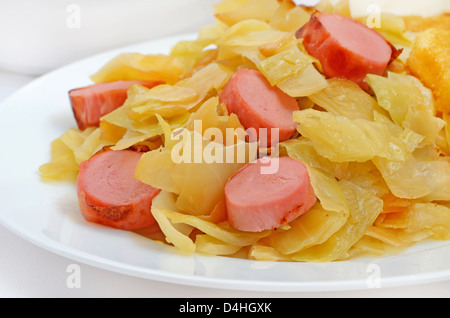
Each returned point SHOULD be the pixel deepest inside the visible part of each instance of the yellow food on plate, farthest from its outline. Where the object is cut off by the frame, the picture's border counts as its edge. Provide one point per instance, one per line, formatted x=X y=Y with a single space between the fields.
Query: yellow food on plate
x=365 y=135
x=419 y=23
x=429 y=60
x=136 y=66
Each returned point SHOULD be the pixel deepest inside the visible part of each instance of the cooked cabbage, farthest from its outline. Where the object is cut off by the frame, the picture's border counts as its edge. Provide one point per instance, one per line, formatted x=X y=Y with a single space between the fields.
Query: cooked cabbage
x=253 y=9
x=345 y=98
x=430 y=218
x=305 y=83
x=136 y=66
x=279 y=67
x=414 y=179
x=303 y=150
x=341 y=139
x=313 y=228
x=408 y=103
x=218 y=235
x=173 y=100
x=364 y=209
x=289 y=17
x=265 y=253
x=161 y=203
x=209 y=245
x=69 y=150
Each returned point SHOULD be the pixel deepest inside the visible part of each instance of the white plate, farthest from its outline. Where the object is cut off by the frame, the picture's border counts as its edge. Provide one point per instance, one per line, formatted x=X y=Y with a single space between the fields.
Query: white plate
x=47 y=214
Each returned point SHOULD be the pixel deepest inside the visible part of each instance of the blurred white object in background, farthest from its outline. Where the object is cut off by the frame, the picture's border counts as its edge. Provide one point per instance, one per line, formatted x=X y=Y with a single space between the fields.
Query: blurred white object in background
x=37 y=36
x=401 y=7
x=361 y=8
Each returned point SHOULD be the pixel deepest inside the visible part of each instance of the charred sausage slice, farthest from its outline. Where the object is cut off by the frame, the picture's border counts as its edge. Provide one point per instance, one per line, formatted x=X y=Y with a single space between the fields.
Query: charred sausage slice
x=109 y=194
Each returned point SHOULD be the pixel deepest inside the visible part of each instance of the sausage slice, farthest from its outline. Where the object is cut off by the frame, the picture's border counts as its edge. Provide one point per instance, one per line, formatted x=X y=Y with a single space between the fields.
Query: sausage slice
x=346 y=48
x=257 y=202
x=258 y=105
x=91 y=103
x=109 y=194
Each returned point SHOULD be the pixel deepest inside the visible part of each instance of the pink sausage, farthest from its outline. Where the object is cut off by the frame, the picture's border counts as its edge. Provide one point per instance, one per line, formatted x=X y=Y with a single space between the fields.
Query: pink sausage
x=91 y=103
x=109 y=194
x=346 y=48
x=257 y=202
x=258 y=105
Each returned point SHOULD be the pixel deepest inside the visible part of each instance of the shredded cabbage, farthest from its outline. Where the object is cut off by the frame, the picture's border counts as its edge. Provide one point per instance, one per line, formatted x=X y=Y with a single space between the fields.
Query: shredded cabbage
x=408 y=104
x=68 y=151
x=364 y=209
x=341 y=139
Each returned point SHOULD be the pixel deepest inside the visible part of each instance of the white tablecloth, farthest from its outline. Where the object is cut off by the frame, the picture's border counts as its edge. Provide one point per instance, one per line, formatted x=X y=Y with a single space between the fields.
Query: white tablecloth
x=29 y=271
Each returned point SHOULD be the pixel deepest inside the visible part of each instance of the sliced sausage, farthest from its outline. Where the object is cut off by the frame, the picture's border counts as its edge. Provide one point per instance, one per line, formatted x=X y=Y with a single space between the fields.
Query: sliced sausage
x=109 y=194
x=258 y=105
x=91 y=103
x=346 y=48
x=257 y=202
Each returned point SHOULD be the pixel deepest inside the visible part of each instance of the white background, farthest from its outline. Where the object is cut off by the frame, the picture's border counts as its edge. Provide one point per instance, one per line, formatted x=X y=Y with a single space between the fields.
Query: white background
x=35 y=39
